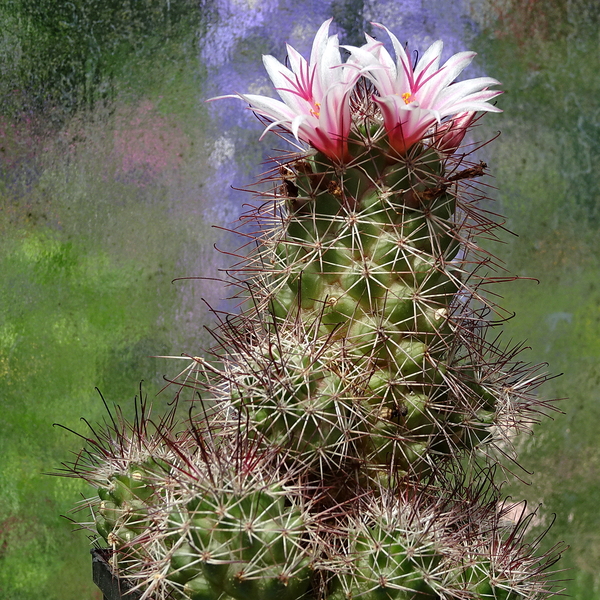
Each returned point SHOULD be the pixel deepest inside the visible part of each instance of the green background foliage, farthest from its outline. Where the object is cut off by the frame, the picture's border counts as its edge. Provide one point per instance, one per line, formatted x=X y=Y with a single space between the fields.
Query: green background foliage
x=102 y=193
x=64 y=56
x=103 y=163
x=545 y=165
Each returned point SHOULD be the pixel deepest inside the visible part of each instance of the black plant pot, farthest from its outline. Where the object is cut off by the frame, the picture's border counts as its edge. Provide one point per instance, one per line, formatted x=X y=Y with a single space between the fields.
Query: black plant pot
x=110 y=585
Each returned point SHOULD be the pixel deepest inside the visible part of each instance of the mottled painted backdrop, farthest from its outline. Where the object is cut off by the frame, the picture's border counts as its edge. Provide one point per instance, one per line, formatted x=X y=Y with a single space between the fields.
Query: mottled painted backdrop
x=113 y=170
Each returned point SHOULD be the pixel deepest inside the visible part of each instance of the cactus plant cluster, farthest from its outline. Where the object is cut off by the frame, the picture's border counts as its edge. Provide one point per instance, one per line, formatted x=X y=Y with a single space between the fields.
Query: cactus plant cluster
x=345 y=434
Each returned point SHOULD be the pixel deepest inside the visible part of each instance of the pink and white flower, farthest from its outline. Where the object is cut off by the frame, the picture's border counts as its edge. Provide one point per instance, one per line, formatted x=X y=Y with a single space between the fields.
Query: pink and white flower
x=315 y=95
x=450 y=134
x=413 y=99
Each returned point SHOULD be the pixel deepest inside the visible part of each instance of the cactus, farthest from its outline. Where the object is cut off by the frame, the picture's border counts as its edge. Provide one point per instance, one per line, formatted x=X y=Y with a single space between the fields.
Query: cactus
x=352 y=413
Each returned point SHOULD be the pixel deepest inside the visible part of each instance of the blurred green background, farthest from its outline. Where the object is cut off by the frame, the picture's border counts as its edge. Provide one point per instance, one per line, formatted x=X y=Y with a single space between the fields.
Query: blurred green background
x=103 y=150
x=112 y=173
x=546 y=165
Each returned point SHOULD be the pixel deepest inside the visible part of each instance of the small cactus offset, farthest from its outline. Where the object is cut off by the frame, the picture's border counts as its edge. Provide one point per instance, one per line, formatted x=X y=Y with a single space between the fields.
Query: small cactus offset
x=349 y=419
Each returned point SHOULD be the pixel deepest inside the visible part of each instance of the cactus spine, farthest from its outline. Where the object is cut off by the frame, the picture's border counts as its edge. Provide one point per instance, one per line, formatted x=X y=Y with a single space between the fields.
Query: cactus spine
x=361 y=288
x=344 y=444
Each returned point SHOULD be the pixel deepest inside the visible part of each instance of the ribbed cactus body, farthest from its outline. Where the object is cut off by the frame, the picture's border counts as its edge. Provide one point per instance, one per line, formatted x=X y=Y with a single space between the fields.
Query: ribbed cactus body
x=361 y=277
x=335 y=412
x=245 y=545
x=387 y=567
x=125 y=504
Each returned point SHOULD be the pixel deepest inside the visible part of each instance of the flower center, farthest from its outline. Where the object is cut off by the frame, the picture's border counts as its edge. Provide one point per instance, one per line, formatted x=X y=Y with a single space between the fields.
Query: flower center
x=407 y=97
x=316 y=111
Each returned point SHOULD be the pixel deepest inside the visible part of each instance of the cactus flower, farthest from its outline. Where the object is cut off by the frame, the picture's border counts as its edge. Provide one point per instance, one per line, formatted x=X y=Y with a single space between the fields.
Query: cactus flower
x=412 y=99
x=315 y=94
x=450 y=134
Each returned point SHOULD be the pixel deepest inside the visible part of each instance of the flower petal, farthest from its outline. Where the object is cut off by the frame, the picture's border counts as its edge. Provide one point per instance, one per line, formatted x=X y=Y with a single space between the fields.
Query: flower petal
x=421 y=95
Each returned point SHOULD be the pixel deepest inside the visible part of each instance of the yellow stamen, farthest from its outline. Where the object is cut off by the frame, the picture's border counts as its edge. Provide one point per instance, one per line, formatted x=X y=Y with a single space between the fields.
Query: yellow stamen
x=317 y=111
x=407 y=97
